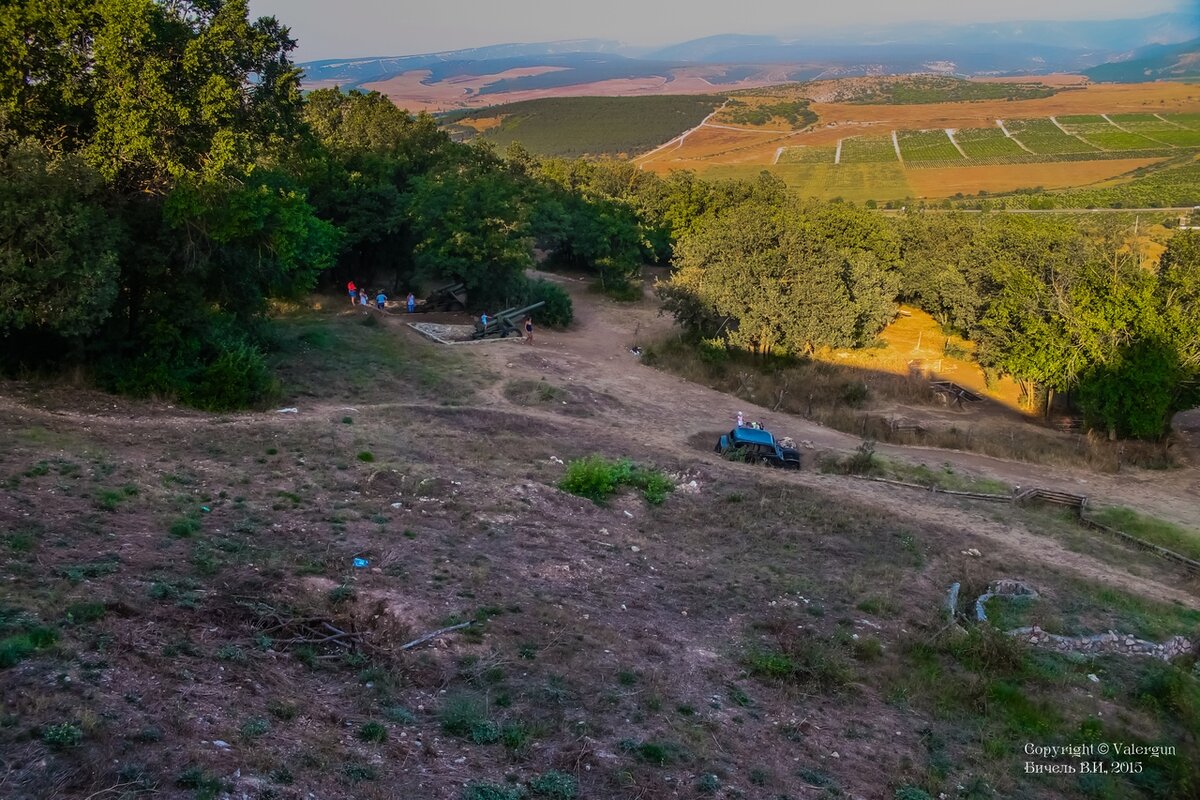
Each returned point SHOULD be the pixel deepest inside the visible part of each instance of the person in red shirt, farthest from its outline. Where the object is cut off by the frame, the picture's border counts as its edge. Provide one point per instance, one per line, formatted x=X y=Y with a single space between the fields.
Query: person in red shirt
x=353 y=290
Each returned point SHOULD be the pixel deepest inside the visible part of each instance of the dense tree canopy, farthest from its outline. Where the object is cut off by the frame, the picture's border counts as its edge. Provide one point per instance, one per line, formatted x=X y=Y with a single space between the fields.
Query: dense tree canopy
x=788 y=276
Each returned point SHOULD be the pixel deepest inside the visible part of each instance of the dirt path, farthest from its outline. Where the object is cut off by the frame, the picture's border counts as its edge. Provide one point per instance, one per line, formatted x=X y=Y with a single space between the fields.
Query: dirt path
x=668 y=410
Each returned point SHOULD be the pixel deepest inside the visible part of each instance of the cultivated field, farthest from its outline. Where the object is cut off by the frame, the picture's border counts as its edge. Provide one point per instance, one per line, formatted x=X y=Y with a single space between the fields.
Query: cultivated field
x=576 y=126
x=1072 y=138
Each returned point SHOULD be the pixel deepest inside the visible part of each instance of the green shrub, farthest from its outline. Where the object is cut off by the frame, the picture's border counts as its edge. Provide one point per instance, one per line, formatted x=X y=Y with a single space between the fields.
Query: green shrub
x=237 y=378
x=400 y=715
x=282 y=710
x=184 y=527
x=592 y=477
x=558 y=311
x=341 y=594
x=62 y=735
x=231 y=652
x=556 y=785
x=855 y=394
x=212 y=364
x=366 y=456
x=465 y=715
x=16 y=648
x=357 y=773
x=254 y=728
x=911 y=793
x=373 y=732
x=206 y=786
x=83 y=613
x=598 y=478
x=658 y=753
x=802 y=659
x=491 y=791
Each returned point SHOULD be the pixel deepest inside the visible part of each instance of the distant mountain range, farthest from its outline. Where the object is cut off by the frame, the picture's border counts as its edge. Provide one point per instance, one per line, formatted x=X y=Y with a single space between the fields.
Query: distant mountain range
x=1155 y=62
x=1149 y=48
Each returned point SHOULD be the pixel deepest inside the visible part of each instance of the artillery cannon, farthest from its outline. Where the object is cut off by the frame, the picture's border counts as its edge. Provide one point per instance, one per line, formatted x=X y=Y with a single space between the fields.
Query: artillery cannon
x=451 y=297
x=506 y=322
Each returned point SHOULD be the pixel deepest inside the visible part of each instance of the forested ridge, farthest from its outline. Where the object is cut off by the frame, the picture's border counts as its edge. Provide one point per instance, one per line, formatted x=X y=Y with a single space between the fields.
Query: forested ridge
x=162 y=178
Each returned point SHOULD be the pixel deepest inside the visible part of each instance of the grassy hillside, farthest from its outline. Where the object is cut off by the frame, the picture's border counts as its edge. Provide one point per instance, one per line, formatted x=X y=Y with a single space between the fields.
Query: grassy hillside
x=576 y=126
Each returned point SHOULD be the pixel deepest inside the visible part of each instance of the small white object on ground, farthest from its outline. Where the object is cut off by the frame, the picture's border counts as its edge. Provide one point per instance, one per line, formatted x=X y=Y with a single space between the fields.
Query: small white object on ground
x=288 y=411
x=1093 y=678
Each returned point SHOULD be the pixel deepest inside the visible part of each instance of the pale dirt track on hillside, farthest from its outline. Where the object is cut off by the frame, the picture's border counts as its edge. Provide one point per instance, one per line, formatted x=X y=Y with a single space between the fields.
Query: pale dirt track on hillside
x=663 y=412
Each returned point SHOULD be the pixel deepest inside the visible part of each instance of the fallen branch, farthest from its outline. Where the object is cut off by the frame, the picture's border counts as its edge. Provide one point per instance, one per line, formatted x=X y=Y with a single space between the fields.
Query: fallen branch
x=429 y=636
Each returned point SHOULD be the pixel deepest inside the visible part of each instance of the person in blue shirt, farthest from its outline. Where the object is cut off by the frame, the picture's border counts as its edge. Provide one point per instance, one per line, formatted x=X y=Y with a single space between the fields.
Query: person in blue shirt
x=412 y=303
x=483 y=318
x=380 y=299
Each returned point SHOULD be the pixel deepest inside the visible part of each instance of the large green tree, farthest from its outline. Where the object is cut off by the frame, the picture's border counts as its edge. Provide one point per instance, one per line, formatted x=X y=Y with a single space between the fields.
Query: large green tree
x=787 y=276
x=189 y=112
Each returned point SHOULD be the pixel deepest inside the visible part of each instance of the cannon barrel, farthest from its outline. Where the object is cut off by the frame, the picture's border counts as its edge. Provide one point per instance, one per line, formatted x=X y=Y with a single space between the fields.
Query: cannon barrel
x=504 y=322
x=520 y=312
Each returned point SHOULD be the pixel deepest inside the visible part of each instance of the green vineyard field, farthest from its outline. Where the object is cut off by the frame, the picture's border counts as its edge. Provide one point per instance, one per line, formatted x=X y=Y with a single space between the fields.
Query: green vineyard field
x=918 y=146
x=987 y=143
x=867 y=150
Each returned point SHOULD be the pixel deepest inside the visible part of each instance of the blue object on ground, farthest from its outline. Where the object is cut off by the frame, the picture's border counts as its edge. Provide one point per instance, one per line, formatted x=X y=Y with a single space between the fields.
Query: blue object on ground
x=361 y=562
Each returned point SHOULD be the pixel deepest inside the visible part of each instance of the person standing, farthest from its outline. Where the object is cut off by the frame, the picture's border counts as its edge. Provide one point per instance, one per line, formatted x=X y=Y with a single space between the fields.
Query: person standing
x=350 y=287
x=412 y=303
x=528 y=329
x=380 y=300
x=484 y=319
x=362 y=298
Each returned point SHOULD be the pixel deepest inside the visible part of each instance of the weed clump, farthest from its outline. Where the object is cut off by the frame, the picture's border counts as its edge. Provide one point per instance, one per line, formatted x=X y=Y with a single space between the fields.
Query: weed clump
x=556 y=785
x=18 y=647
x=658 y=753
x=62 y=735
x=801 y=658
x=373 y=732
x=598 y=478
x=492 y=791
x=254 y=728
x=465 y=715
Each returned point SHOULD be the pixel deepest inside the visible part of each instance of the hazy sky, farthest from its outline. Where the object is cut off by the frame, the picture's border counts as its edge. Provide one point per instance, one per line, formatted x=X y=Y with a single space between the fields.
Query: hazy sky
x=337 y=28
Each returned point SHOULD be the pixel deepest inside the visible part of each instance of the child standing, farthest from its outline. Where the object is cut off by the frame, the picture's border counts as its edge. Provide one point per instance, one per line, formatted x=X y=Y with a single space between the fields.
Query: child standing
x=380 y=299
x=528 y=330
x=412 y=303
x=350 y=287
x=362 y=298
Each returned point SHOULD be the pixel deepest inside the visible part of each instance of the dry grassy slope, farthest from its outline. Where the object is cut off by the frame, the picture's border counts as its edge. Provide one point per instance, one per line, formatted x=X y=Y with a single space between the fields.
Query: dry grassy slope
x=614 y=643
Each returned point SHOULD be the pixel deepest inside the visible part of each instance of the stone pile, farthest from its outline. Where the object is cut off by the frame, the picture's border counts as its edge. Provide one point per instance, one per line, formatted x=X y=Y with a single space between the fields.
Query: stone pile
x=1111 y=642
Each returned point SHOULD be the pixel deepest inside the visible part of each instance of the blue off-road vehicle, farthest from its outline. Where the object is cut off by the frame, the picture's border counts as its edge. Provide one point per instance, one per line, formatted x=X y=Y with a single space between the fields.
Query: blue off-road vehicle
x=756 y=446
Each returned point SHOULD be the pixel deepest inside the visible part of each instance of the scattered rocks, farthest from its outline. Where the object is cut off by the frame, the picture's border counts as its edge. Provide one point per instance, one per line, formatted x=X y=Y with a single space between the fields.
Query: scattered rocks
x=1110 y=642
x=1005 y=587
